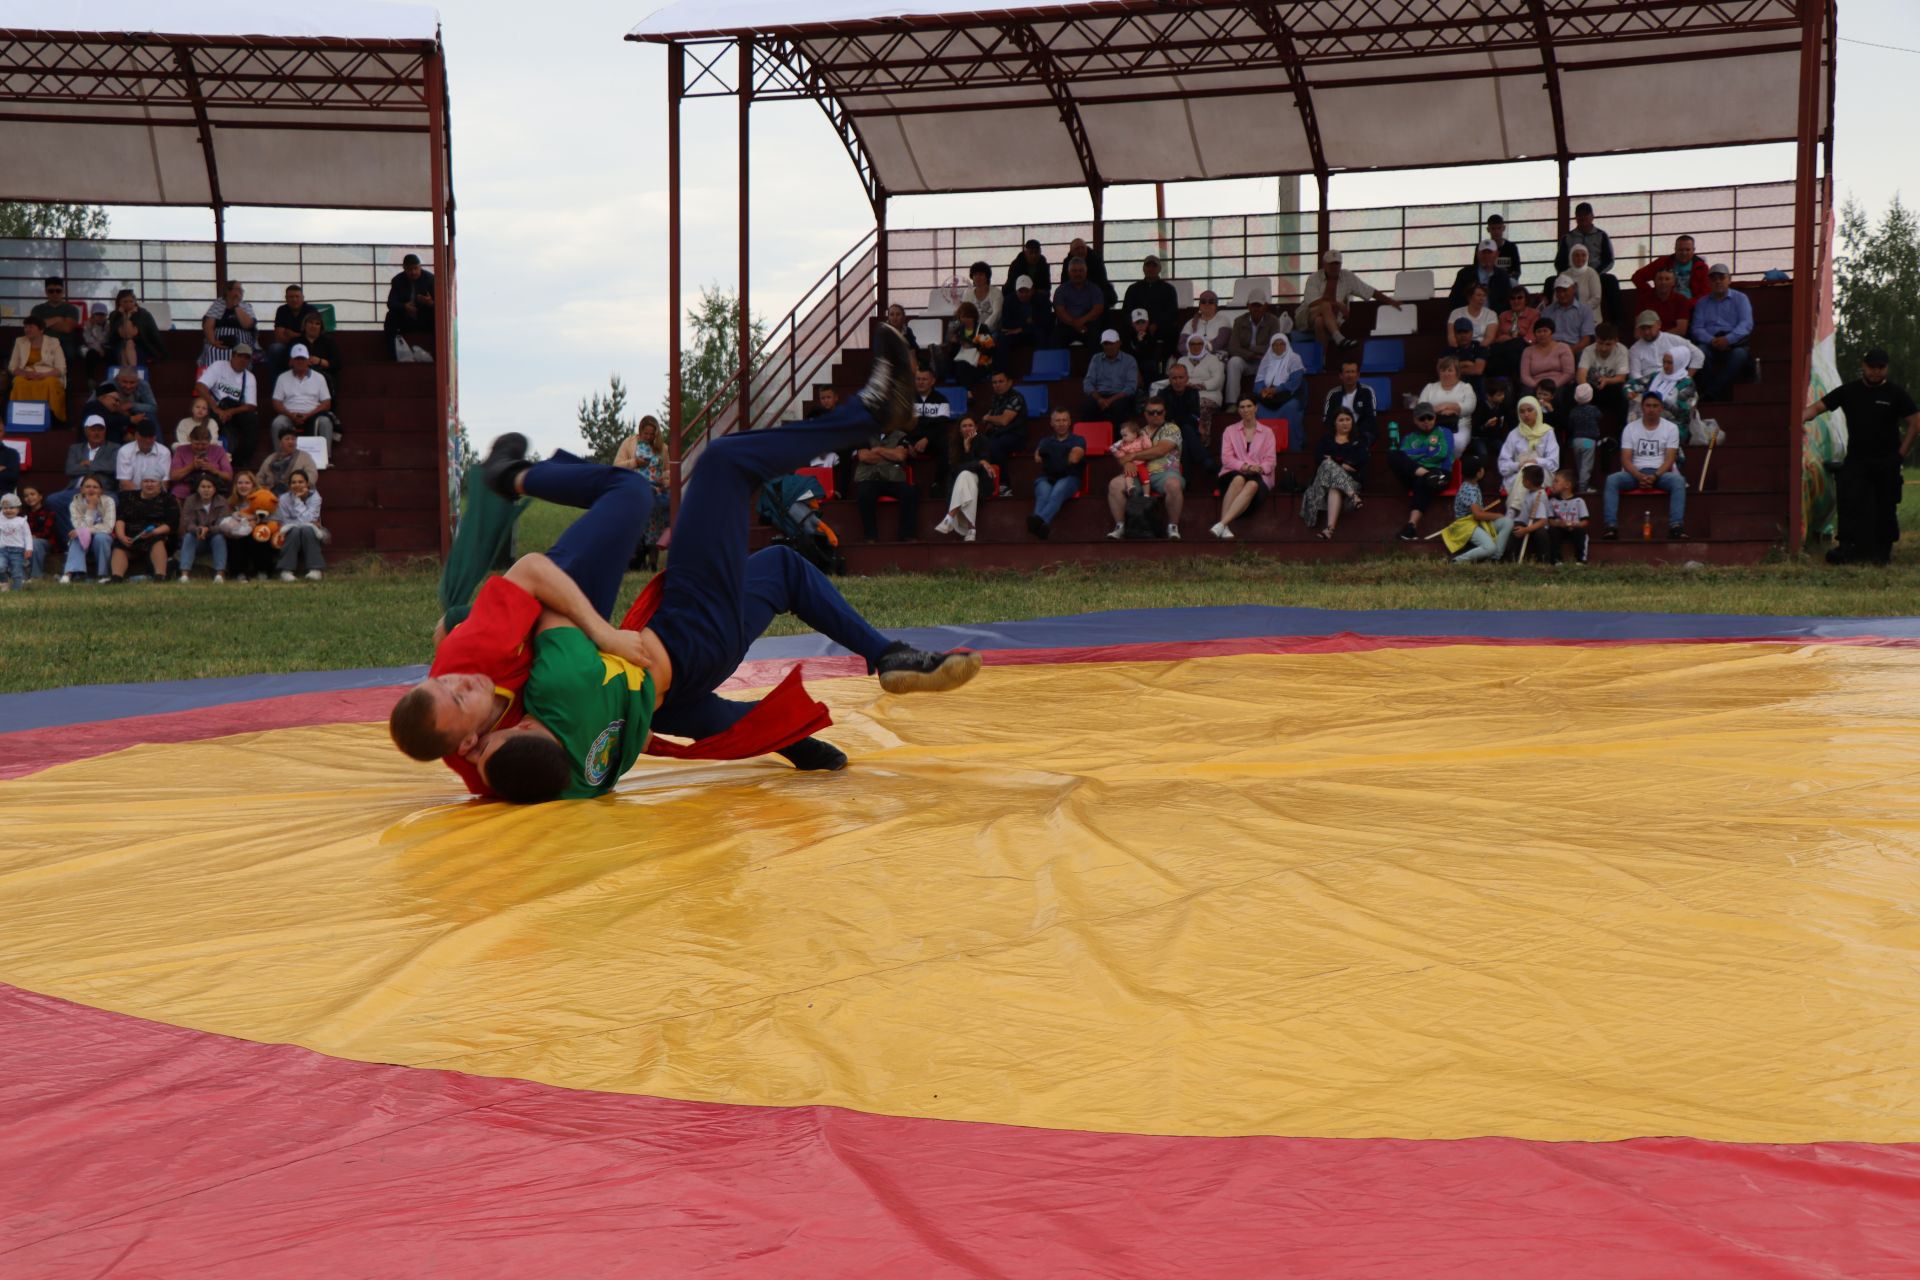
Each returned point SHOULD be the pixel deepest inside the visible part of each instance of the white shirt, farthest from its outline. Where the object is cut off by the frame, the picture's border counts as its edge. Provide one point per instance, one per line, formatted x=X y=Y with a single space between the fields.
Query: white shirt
x=1526 y=505
x=1482 y=323
x=228 y=383
x=1649 y=448
x=16 y=532
x=133 y=466
x=1643 y=360
x=1462 y=394
x=301 y=395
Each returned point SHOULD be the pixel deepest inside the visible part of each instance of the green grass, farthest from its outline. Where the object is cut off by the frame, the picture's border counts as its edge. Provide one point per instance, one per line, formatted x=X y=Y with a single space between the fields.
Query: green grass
x=369 y=615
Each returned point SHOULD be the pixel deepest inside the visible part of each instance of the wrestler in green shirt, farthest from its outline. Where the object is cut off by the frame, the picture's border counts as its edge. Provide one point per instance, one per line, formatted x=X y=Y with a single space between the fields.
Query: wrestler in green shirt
x=599 y=707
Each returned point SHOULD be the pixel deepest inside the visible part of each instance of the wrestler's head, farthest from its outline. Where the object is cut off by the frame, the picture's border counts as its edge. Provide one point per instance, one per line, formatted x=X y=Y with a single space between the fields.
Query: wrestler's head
x=524 y=764
x=443 y=716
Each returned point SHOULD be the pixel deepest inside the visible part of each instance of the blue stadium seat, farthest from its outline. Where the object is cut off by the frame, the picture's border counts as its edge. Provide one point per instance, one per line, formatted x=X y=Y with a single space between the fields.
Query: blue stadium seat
x=1051 y=366
x=1036 y=395
x=1382 y=394
x=1383 y=355
x=1312 y=356
x=29 y=415
x=113 y=371
x=955 y=396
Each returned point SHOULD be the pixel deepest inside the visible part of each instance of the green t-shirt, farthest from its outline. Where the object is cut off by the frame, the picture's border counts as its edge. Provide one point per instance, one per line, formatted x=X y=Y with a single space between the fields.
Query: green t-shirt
x=599 y=706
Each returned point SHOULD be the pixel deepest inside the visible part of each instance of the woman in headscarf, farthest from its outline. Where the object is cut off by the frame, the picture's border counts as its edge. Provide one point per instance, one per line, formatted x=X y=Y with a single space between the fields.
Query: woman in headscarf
x=1586 y=281
x=1531 y=440
x=1281 y=375
x=1208 y=323
x=1204 y=370
x=1673 y=384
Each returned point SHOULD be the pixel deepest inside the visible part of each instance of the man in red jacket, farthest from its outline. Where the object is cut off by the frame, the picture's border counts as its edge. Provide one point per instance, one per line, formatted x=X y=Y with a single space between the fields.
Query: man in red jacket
x=1689 y=272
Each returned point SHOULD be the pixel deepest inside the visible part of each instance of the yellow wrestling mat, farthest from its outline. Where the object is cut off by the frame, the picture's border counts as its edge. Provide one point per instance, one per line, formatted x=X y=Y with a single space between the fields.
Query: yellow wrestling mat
x=1547 y=892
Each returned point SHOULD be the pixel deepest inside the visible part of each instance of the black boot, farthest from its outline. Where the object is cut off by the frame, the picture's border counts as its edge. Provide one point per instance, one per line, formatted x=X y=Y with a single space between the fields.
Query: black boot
x=904 y=669
x=506 y=459
x=815 y=756
x=888 y=395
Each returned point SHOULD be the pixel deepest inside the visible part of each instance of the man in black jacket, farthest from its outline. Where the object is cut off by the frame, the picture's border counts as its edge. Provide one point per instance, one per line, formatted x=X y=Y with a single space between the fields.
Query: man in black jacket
x=1158 y=299
x=1354 y=396
x=410 y=300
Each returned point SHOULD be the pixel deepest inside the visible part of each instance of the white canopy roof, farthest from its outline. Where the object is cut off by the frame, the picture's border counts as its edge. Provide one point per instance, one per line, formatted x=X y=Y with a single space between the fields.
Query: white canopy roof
x=1024 y=93
x=307 y=106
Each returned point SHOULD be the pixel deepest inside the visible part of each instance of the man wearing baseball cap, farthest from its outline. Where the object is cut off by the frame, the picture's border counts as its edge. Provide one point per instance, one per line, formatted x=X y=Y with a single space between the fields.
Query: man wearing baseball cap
x=1324 y=302
x=302 y=399
x=1882 y=422
x=1722 y=325
x=1483 y=270
x=1112 y=382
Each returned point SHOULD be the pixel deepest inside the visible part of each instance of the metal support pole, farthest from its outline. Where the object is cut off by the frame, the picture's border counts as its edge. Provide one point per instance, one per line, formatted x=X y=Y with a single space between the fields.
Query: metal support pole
x=1326 y=226
x=880 y=252
x=436 y=71
x=1565 y=206
x=676 y=79
x=743 y=421
x=220 y=249
x=1805 y=288
x=1099 y=195
x=1160 y=215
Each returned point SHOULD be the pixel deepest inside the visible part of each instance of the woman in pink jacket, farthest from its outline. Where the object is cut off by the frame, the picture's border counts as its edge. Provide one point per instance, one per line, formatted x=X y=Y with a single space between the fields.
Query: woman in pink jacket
x=1247 y=460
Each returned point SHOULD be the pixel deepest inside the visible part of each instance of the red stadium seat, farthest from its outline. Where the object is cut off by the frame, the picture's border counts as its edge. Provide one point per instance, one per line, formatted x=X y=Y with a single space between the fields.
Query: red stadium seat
x=824 y=475
x=1098 y=435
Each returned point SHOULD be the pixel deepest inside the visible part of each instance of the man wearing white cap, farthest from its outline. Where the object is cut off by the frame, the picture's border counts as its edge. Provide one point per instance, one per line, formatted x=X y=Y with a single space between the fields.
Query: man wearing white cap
x=1484 y=270
x=302 y=400
x=1572 y=319
x=1112 y=382
x=1324 y=302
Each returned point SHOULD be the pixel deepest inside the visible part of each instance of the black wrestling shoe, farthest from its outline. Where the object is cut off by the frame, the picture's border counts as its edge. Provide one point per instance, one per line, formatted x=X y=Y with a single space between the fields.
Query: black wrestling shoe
x=904 y=669
x=814 y=756
x=506 y=459
x=888 y=395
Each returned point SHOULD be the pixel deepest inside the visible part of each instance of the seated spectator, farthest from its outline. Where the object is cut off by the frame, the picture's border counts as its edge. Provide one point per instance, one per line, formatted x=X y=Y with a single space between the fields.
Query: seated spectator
x=1567 y=518
x=410 y=303
x=146 y=523
x=1280 y=381
x=108 y=405
x=143 y=459
x=1199 y=454
x=1062 y=455
x=323 y=353
x=41 y=525
x=1547 y=392
x=249 y=553
x=1690 y=272
x=1096 y=270
x=1148 y=349
x=1079 y=308
x=301 y=533
x=285 y=462
x=1023 y=319
x=973 y=474
x=1546 y=358
x=1492 y=418
x=1422 y=460
x=1602 y=369
x=1479 y=531
x=62 y=321
x=91 y=514
x=289 y=321
x=1207 y=322
x=37 y=369
x=16 y=544
x=1528 y=504
x=1666 y=301
x=1469 y=356
x=896 y=318
x=199 y=413
x=1452 y=399
x=91 y=455
x=1645 y=357
x=1158 y=299
x=1722 y=325
x=136 y=397
x=1324 y=304
x=1032 y=265
x=932 y=418
x=1649 y=450
x=880 y=471
x=234 y=392
x=1672 y=383
x=1205 y=371
x=1531 y=441
x=1161 y=458
x=1572 y=322
x=1005 y=425
x=1481 y=319
x=1181 y=398
x=1506 y=252
x=301 y=398
x=1248 y=461
x=200 y=518
x=1340 y=464
x=1353 y=396
x=1512 y=334
x=1483 y=273
x=133 y=337
x=1112 y=382
x=199 y=459
x=1586 y=429
x=227 y=324
x=1586 y=281
x=825 y=401
x=988 y=302
x=1249 y=343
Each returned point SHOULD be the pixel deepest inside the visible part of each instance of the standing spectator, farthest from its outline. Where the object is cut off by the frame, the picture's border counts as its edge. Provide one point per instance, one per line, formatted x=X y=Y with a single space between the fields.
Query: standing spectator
x=1531 y=441
x=91 y=455
x=133 y=337
x=410 y=303
x=1355 y=397
x=1690 y=272
x=37 y=367
x=1868 y=485
x=146 y=523
x=1567 y=518
x=301 y=398
x=1546 y=358
x=896 y=319
x=1280 y=380
x=1422 y=460
x=1585 y=234
x=1147 y=347
x=286 y=462
x=1248 y=343
x=145 y=459
x=199 y=459
x=880 y=471
x=323 y=353
x=1506 y=252
x=1649 y=450
x=1340 y=463
x=61 y=321
x=1079 y=305
x=1721 y=327
x=227 y=324
x=1572 y=322
x=1512 y=334
x=136 y=397
x=645 y=451
x=199 y=413
x=1207 y=323
x=961 y=353
x=1585 y=431
x=301 y=533
x=1249 y=458
x=1161 y=458
x=1587 y=285
x=1158 y=299
x=234 y=392
x=987 y=301
x=248 y=556
x=200 y=517
x=1452 y=399
x=1180 y=398
x=1005 y=425
x=932 y=417
x=1487 y=536
x=1112 y=382
x=16 y=544
x=43 y=528
x=1325 y=303
x=289 y=321
x=1675 y=309
x=1205 y=371
x=1031 y=265
x=93 y=340
x=1481 y=319
x=973 y=475
x=1602 y=369
x=1482 y=273
x=91 y=514
x=9 y=464
x=1023 y=319
x=1062 y=455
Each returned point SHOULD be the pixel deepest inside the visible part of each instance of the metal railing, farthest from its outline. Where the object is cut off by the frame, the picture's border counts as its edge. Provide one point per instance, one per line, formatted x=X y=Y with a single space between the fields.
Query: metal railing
x=179 y=274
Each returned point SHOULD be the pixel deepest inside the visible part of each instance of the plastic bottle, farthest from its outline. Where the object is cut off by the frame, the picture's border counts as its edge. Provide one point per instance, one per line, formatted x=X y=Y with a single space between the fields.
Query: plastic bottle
x=1393 y=434
x=1646 y=525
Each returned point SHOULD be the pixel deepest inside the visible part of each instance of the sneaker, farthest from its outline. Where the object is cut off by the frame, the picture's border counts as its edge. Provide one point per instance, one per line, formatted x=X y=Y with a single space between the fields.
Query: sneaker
x=402 y=350
x=1408 y=533
x=888 y=395
x=313 y=575
x=905 y=669
x=219 y=577
x=1118 y=531
x=183 y=579
x=945 y=526
x=506 y=459
x=285 y=576
x=814 y=756
x=1036 y=526
x=1173 y=532
x=1004 y=492
x=66 y=579
x=1676 y=533
x=1611 y=535
x=969 y=535
x=1217 y=527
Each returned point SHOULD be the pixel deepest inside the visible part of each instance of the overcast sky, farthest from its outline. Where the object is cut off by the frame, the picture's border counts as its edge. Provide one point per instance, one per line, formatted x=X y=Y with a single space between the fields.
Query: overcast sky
x=559 y=170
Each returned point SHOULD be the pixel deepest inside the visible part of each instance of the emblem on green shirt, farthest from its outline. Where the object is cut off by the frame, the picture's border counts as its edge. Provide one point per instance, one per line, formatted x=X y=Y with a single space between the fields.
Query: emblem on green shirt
x=600 y=755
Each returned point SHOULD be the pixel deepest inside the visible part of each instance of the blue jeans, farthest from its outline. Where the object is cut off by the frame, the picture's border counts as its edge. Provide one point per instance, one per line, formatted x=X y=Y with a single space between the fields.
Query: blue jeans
x=37 y=559
x=1051 y=495
x=597 y=547
x=62 y=503
x=13 y=562
x=1624 y=481
x=101 y=553
x=190 y=545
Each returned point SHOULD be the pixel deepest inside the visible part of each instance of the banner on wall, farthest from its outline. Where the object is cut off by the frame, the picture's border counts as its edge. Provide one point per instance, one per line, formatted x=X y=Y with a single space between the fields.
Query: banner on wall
x=1825 y=438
